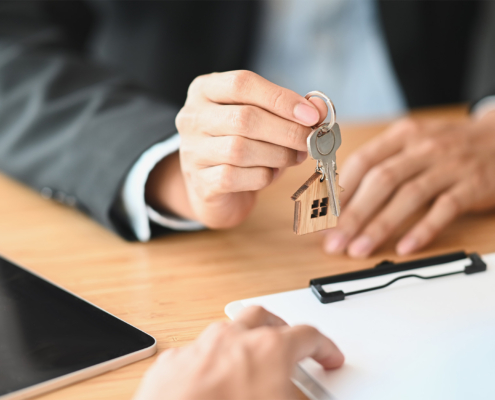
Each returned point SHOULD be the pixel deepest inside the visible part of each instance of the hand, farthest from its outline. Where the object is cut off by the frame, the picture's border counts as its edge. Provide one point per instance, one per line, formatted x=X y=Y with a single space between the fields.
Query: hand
x=449 y=166
x=238 y=131
x=250 y=358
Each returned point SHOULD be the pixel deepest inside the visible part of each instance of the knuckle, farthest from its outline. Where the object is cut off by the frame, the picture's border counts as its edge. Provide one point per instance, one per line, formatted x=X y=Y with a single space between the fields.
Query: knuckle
x=184 y=120
x=360 y=161
x=261 y=178
x=383 y=176
x=408 y=126
x=428 y=147
x=411 y=190
x=272 y=338
x=196 y=84
x=220 y=181
x=265 y=177
x=187 y=120
x=235 y=149
x=191 y=152
x=256 y=311
x=180 y=120
x=224 y=178
x=242 y=119
x=238 y=81
x=241 y=353
x=449 y=202
x=219 y=328
x=311 y=330
x=404 y=129
x=287 y=157
x=277 y=99
x=168 y=354
x=429 y=229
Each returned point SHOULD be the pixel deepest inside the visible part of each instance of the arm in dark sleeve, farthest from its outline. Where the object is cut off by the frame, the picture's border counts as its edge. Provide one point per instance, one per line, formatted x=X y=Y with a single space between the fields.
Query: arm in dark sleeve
x=68 y=125
x=481 y=77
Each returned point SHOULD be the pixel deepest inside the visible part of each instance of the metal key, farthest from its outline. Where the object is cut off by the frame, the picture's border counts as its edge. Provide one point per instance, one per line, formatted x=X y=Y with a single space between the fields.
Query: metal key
x=323 y=143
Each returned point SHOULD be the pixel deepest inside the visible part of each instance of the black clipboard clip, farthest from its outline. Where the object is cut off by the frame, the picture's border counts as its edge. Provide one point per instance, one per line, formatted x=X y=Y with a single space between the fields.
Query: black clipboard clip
x=388 y=267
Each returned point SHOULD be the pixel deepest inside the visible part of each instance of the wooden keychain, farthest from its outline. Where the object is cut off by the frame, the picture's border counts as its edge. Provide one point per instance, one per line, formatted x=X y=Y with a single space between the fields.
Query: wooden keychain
x=317 y=204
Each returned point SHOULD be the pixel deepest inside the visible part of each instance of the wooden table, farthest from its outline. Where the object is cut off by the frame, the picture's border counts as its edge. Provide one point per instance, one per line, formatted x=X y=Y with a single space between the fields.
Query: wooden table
x=175 y=286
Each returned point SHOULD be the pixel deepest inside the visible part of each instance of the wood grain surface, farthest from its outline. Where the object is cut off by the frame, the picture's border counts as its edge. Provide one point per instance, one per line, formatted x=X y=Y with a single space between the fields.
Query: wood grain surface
x=174 y=286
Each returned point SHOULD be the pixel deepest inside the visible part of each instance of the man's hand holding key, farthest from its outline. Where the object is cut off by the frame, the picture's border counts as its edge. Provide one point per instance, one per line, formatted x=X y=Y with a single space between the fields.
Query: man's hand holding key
x=238 y=131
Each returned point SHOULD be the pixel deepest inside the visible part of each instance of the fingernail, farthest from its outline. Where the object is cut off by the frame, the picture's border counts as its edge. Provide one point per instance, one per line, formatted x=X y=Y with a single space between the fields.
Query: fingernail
x=336 y=243
x=406 y=246
x=361 y=247
x=306 y=114
x=276 y=173
x=301 y=156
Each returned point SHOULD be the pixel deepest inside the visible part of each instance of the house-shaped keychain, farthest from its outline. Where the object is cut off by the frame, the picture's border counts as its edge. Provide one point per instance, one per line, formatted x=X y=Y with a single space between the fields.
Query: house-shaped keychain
x=311 y=210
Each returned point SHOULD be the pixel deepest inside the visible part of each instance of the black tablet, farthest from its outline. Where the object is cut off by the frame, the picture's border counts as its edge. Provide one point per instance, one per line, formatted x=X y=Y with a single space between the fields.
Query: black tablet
x=50 y=337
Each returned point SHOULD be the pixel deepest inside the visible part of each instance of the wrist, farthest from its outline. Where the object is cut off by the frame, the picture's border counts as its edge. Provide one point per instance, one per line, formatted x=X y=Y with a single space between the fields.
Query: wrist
x=165 y=189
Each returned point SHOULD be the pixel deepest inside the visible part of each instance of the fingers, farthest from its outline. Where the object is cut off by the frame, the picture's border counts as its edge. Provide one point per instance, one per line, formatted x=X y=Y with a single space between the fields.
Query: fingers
x=409 y=198
x=242 y=152
x=269 y=336
x=305 y=341
x=245 y=87
x=391 y=142
x=253 y=123
x=375 y=189
x=230 y=179
x=256 y=316
x=445 y=209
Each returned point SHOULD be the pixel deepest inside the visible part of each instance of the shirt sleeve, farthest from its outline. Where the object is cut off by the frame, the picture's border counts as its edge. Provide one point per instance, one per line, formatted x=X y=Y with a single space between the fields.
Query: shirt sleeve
x=483 y=107
x=133 y=202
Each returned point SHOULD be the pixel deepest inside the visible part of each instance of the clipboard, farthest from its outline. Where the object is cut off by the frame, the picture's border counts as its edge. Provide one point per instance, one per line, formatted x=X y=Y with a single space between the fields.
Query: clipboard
x=431 y=338
x=391 y=273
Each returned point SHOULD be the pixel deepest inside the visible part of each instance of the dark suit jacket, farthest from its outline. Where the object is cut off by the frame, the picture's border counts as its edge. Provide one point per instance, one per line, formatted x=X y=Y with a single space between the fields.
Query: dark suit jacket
x=87 y=86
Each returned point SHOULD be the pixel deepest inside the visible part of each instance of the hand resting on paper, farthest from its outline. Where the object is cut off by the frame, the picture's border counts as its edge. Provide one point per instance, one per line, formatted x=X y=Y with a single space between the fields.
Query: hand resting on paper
x=449 y=166
x=250 y=358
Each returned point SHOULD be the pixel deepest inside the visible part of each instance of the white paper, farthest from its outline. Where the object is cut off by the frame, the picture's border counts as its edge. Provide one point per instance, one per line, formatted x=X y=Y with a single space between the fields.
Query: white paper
x=416 y=339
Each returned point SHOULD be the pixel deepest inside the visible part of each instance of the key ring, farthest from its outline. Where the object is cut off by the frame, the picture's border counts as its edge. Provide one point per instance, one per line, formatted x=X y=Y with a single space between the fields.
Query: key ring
x=331 y=114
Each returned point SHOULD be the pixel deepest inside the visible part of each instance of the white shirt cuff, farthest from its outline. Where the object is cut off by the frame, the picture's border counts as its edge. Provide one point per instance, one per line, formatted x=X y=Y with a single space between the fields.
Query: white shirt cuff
x=483 y=107
x=132 y=195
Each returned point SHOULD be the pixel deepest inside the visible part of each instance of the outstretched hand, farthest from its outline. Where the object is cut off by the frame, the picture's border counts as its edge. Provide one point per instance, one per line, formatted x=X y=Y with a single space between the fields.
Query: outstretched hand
x=238 y=131
x=449 y=166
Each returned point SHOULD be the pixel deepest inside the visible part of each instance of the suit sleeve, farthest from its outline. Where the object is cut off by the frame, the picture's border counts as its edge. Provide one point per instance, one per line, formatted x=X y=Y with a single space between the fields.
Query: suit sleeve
x=481 y=75
x=70 y=128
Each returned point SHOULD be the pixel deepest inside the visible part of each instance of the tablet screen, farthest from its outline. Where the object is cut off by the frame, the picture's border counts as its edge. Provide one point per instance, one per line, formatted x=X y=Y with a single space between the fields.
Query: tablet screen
x=46 y=332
